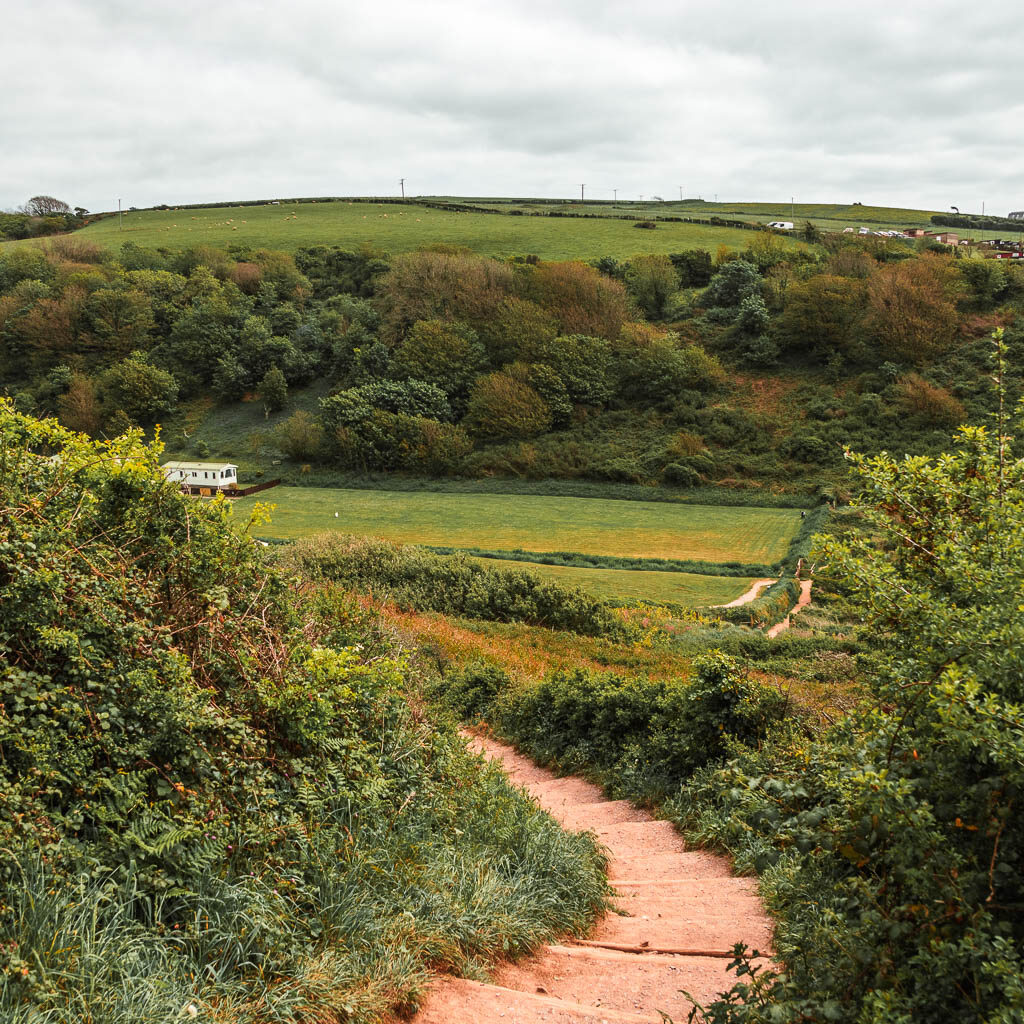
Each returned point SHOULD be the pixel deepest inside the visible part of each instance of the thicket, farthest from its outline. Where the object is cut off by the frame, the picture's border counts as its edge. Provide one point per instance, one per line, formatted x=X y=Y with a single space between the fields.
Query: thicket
x=740 y=371
x=414 y=577
x=640 y=737
x=214 y=797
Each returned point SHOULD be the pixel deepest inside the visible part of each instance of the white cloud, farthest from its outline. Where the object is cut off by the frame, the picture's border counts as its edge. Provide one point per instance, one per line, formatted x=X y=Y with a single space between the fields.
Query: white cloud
x=185 y=101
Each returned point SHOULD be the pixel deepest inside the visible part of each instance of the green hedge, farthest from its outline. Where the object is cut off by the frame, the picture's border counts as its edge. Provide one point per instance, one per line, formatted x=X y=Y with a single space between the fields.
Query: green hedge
x=414 y=577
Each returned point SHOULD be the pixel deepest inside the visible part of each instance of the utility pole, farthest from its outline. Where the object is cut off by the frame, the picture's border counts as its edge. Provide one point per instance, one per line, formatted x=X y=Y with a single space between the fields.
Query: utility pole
x=615 y=194
x=792 y=208
x=581 y=191
x=401 y=181
x=120 y=222
x=680 y=193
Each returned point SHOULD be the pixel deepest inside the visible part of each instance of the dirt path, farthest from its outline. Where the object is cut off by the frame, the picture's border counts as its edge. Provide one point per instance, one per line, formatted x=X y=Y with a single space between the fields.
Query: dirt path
x=681 y=912
x=755 y=588
x=802 y=602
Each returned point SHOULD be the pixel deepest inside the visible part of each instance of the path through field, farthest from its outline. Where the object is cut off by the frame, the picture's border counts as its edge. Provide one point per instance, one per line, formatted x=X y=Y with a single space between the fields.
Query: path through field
x=752 y=594
x=802 y=602
x=681 y=912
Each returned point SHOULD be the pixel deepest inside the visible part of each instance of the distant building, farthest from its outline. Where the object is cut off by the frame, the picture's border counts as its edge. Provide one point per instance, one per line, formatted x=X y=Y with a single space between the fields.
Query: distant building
x=216 y=475
x=1016 y=215
x=945 y=237
x=915 y=232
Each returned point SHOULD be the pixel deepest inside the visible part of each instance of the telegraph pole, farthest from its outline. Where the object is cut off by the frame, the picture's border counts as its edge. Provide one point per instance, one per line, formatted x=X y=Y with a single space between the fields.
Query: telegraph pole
x=581 y=191
x=615 y=193
x=680 y=193
x=401 y=182
x=120 y=222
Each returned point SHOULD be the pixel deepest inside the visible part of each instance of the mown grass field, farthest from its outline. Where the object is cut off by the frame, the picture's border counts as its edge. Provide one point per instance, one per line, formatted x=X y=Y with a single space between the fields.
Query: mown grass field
x=535 y=523
x=685 y=588
x=393 y=228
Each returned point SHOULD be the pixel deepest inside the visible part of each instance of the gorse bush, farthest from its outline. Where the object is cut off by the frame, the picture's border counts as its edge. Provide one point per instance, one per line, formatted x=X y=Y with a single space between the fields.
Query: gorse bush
x=413 y=577
x=210 y=799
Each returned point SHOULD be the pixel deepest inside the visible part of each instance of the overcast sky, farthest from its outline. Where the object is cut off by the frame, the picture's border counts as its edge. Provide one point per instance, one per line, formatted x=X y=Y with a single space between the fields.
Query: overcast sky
x=899 y=102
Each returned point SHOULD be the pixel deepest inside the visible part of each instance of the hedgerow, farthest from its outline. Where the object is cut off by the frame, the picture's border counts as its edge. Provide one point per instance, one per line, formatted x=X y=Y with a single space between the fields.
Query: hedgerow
x=414 y=577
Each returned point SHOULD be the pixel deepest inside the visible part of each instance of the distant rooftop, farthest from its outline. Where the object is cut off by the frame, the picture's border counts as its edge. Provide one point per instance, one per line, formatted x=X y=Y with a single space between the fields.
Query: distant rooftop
x=207 y=466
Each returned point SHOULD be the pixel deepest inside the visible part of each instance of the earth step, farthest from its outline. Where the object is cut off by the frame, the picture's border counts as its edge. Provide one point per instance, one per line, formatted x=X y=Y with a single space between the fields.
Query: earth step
x=641 y=837
x=655 y=866
x=559 y=792
x=696 y=932
x=585 y=817
x=457 y=1001
x=619 y=981
x=731 y=886
x=703 y=905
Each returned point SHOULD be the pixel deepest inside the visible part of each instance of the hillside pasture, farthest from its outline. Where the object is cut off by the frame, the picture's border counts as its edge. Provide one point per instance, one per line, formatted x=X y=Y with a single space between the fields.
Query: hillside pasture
x=536 y=523
x=394 y=228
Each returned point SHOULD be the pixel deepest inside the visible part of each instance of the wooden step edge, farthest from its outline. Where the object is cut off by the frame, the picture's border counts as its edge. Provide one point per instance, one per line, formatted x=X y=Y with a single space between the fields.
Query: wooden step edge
x=603 y=951
x=604 y=1012
x=673 y=950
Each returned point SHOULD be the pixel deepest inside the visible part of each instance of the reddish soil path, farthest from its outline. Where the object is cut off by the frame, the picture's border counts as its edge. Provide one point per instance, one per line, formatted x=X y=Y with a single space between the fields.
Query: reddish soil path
x=755 y=589
x=802 y=602
x=681 y=912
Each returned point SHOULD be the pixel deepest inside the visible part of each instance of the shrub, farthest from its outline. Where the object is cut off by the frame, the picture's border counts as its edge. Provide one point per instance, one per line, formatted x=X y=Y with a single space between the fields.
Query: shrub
x=220 y=803
x=415 y=578
x=642 y=737
x=299 y=436
x=935 y=404
x=734 y=282
x=583 y=300
x=501 y=406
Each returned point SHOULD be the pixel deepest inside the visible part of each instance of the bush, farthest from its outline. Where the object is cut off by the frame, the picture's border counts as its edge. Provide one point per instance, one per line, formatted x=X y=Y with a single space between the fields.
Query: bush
x=502 y=406
x=734 y=282
x=211 y=796
x=933 y=403
x=415 y=578
x=641 y=737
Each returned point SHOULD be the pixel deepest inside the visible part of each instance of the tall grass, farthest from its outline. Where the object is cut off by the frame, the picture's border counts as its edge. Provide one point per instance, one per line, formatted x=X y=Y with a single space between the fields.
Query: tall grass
x=396 y=894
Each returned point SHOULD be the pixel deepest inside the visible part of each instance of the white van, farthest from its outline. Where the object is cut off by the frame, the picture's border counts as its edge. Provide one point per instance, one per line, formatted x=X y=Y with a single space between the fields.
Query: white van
x=781 y=225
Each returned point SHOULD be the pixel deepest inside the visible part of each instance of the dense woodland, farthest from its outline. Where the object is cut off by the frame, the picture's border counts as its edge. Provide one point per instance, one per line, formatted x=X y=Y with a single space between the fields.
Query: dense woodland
x=746 y=369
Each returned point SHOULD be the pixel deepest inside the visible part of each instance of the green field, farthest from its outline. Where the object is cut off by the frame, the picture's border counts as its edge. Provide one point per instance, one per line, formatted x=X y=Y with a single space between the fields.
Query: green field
x=685 y=588
x=394 y=228
x=834 y=215
x=536 y=523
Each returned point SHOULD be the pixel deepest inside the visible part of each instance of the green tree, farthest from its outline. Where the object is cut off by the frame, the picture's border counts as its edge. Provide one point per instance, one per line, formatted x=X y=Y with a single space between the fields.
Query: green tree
x=142 y=391
x=501 y=406
x=584 y=365
x=273 y=391
x=821 y=313
x=121 y=318
x=652 y=280
x=441 y=352
x=299 y=436
x=519 y=332
x=734 y=281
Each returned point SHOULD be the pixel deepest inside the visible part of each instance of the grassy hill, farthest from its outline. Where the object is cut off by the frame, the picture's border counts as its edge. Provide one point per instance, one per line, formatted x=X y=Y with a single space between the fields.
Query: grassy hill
x=395 y=228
